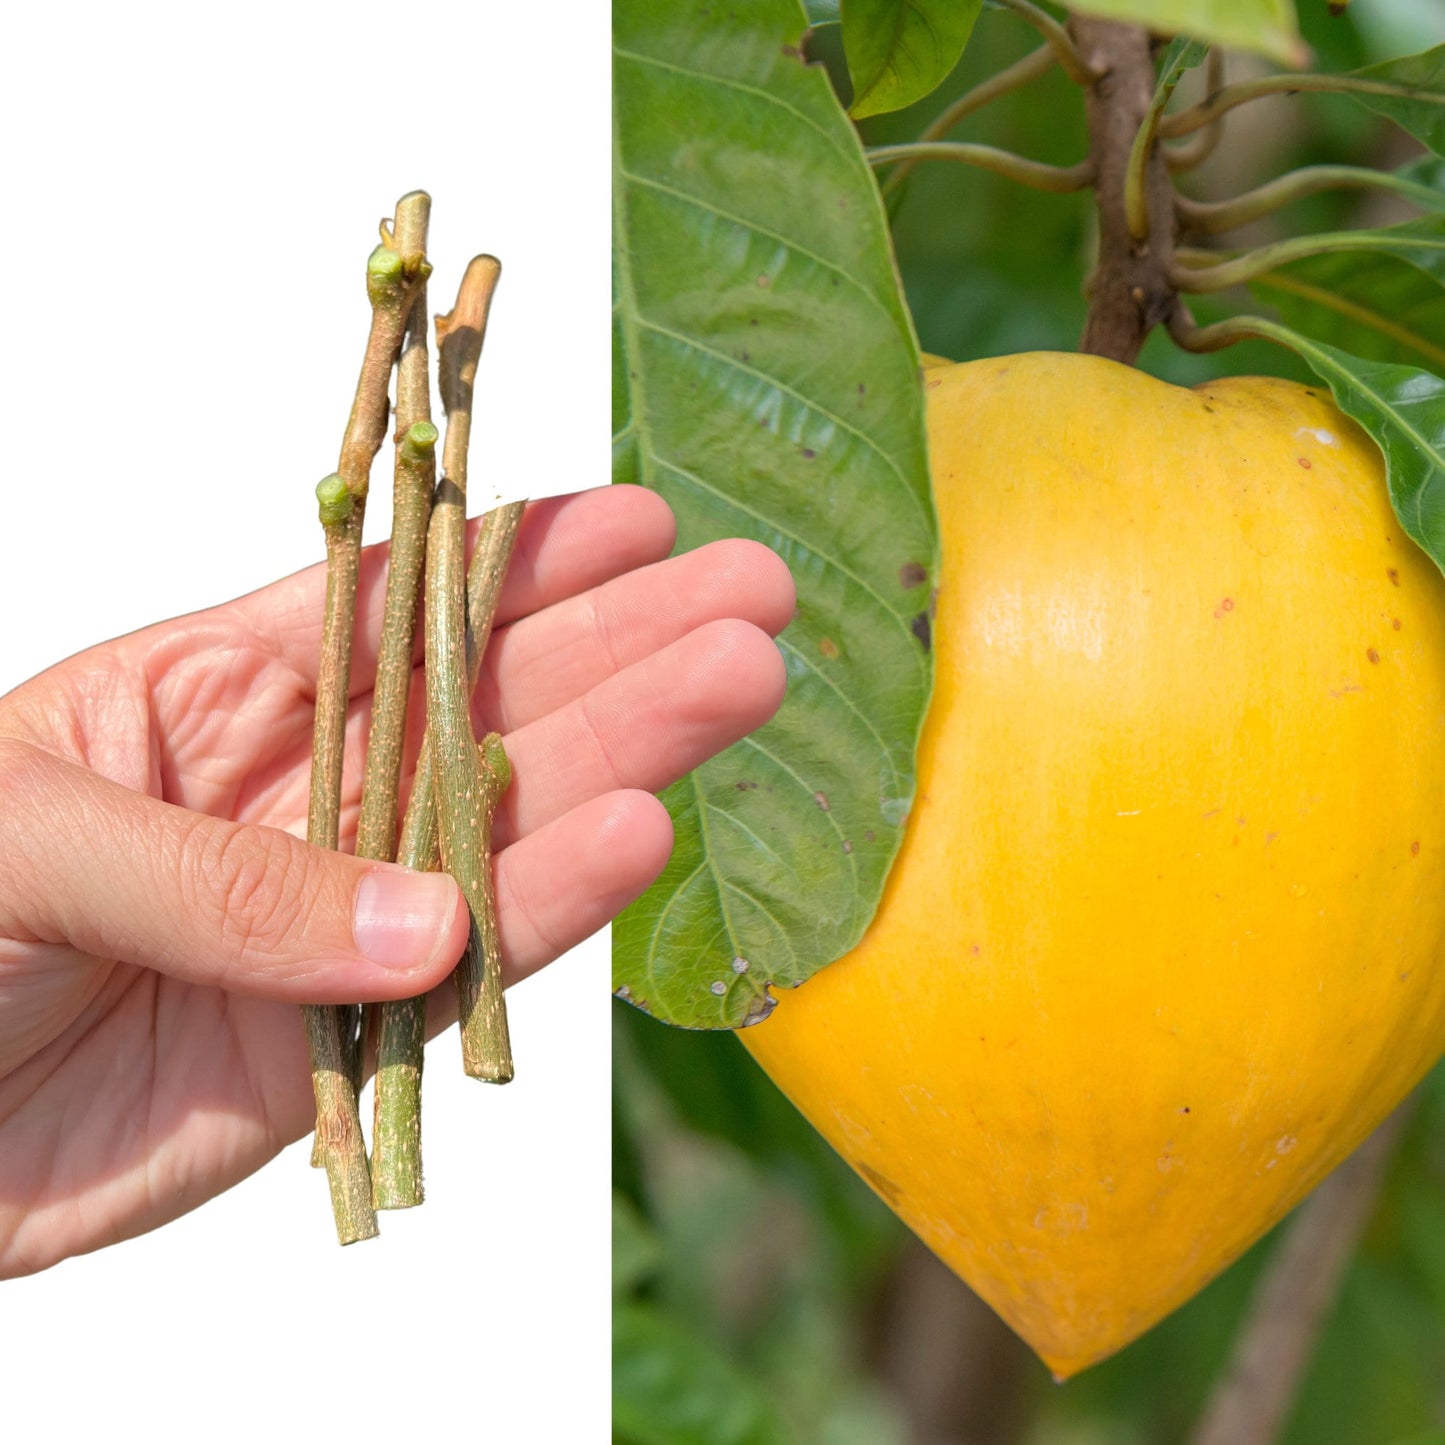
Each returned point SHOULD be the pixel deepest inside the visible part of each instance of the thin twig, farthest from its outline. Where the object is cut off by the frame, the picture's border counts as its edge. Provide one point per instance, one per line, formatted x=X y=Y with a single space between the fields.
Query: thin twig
x=339 y=1145
x=1213 y=217
x=414 y=475
x=1195 y=152
x=332 y=1031
x=1185 y=122
x=1021 y=72
x=1248 y=264
x=1026 y=172
x=396 y=1161
x=1060 y=41
x=1291 y=1302
x=469 y=779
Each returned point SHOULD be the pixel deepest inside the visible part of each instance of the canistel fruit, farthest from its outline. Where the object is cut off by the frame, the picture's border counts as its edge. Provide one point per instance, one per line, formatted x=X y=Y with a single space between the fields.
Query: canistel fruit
x=1163 y=941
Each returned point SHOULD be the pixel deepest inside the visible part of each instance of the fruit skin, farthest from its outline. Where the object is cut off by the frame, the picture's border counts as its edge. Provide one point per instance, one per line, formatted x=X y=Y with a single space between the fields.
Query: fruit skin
x=1163 y=941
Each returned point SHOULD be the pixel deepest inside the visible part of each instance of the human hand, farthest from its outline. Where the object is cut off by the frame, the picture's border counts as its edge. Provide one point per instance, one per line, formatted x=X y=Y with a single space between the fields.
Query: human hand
x=159 y=922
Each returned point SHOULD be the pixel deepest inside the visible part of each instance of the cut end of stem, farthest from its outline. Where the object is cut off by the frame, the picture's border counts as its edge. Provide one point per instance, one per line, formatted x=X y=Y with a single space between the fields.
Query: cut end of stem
x=386 y=276
x=420 y=441
x=334 y=500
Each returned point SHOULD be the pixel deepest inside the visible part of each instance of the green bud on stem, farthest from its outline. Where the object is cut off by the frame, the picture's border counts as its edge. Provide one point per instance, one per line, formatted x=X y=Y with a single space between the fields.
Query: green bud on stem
x=385 y=276
x=335 y=500
x=494 y=759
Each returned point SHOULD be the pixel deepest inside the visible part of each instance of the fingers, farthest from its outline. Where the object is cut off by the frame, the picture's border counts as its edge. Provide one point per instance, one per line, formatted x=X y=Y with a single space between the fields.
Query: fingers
x=565 y=545
x=117 y=874
x=643 y=727
x=562 y=883
x=556 y=655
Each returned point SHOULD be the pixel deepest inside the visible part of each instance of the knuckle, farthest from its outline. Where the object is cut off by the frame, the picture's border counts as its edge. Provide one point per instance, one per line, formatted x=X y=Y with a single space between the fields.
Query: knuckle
x=254 y=882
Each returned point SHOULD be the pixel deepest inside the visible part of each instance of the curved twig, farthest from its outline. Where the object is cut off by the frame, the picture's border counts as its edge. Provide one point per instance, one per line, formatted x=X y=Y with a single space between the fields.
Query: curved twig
x=1195 y=152
x=1213 y=217
x=1021 y=72
x=1026 y=172
x=1186 y=122
x=1059 y=40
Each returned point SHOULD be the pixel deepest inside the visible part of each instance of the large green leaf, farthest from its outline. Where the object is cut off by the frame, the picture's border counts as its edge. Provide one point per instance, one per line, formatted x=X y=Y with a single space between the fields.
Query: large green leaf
x=1403 y=409
x=1416 y=100
x=766 y=383
x=901 y=50
x=1267 y=26
x=1374 y=306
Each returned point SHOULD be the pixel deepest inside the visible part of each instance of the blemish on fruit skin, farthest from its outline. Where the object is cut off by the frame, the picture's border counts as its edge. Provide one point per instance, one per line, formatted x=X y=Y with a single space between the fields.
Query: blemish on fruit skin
x=1297 y=890
x=828 y=648
x=1285 y=1143
x=1305 y=462
x=1393 y=575
x=881 y=1183
x=821 y=799
x=1395 y=623
x=1226 y=606
x=1372 y=654
x=1415 y=849
x=929 y=385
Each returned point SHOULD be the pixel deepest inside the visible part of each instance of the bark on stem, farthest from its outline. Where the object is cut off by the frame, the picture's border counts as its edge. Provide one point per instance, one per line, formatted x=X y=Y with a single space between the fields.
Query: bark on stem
x=1129 y=292
x=339 y=1145
x=396 y=1161
x=469 y=779
x=400 y=1027
x=391 y=288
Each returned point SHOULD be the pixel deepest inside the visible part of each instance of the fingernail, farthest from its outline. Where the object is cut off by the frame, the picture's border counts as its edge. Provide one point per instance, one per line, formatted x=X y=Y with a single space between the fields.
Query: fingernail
x=402 y=918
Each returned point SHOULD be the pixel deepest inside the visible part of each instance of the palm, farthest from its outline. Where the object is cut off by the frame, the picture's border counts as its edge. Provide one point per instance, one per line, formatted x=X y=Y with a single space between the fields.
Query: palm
x=130 y=1095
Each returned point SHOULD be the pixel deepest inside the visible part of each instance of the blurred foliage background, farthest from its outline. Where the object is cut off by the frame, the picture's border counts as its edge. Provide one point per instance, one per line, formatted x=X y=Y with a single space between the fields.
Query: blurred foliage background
x=764 y=1296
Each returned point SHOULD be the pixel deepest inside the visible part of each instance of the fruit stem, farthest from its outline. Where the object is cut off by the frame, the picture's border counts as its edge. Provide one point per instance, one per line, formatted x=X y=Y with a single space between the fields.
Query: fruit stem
x=1020 y=73
x=1129 y=291
x=1251 y=1399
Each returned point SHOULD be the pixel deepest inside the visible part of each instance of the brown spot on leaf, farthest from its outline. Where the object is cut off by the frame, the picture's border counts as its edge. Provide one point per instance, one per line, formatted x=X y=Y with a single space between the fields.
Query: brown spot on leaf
x=762 y=280
x=912 y=574
x=821 y=799
x=923 y=630
x=744 y=785
x=828 y=648
x=808 y=454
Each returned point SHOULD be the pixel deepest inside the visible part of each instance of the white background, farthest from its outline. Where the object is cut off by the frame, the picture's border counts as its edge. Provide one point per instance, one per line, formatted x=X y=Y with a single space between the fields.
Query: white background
x=190 y=196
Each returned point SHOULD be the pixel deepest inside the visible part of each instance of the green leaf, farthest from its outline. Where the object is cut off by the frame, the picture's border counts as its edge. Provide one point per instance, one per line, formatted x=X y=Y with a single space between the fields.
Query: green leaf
x=1181 y=54
x=1418 y=104
x=1267 y=26
x=766 y=383
x=901 y=50
x=1403 y=410
x=822 y=12
x=636 y=1252
x=1374 y=306
x=670 y=1388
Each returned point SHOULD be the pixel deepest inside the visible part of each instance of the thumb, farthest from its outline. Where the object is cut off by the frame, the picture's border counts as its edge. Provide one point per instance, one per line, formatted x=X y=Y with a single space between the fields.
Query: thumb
x=118 y=874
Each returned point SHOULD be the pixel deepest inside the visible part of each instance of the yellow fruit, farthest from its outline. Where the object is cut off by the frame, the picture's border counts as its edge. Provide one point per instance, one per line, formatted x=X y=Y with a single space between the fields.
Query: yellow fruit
x=1163 y=941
